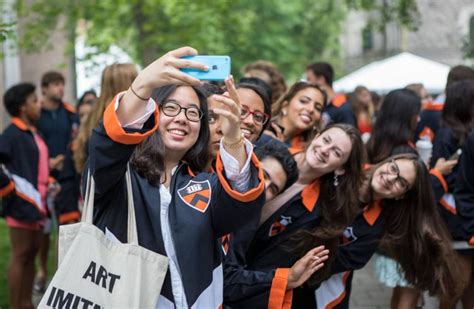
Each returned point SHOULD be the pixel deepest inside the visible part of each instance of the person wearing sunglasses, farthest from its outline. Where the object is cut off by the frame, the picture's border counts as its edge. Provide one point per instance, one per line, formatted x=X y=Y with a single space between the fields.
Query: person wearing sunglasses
x=159 y=127
x=399 y=213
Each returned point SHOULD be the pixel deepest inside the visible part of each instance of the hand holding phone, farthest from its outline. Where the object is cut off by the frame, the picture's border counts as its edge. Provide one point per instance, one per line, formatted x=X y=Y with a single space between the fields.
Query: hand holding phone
x=455 y=155
x=219 y=67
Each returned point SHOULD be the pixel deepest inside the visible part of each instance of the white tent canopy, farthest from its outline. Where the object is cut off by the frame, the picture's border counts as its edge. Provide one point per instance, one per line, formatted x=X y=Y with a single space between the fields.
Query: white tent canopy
x=396 y=72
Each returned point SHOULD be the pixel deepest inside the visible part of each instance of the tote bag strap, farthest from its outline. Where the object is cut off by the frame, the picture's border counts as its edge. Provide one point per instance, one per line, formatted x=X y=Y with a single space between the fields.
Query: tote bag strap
x=132 y=221
x=88 y=209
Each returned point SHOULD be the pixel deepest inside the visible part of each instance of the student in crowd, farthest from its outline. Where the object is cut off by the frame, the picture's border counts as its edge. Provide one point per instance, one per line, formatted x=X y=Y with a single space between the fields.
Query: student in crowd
x=337 y=108
x=270 y=74
x=115 y=78
x=313 y=211
x=23 y=189
x=457 y=121
x=58 y=125
x=400 y=213
x=280 y=172
x=85 y=104
x=297 y=113
x=167 y=144
x=363 y=109
x=430 y=117
x=421 y=91
x=395 y=125
x=255 y=111
x=464 y=193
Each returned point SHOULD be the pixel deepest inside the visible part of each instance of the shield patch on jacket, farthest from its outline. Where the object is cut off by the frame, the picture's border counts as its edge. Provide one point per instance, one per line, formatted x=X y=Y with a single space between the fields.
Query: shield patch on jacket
x=196 y=194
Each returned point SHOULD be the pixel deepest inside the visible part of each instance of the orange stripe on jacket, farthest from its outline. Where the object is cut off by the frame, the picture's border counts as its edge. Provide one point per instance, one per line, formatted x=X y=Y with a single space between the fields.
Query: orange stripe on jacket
x=310 y=195
x=279 y=297
x=372 y=213
x=248 y=196
x=7 y=189
x=441 y=179
x=20 y=124
x=338 y=300
x=434 y=106
x=69 y=107
x=69 y=216
x=117 y=133
x=339 y=100
x=31 y=201
x=427 y=132
x=448 y=207
x=298 y=142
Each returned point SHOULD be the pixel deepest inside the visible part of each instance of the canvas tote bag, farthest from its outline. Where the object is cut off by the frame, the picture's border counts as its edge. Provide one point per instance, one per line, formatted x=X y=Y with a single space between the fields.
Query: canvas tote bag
x=97 y=272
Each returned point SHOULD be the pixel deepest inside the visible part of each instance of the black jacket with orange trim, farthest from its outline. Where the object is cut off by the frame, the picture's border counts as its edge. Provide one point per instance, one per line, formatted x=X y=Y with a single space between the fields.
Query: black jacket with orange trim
x=195 y=224
x=430 y=120
x=257 y=278
x=443 y=185
x=359 y=242
x=464 y=188
x=19 y=153
x=340 y=111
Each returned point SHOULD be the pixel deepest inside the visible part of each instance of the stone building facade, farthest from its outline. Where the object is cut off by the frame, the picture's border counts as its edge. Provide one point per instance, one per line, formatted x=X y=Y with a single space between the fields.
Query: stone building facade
x=444 y=29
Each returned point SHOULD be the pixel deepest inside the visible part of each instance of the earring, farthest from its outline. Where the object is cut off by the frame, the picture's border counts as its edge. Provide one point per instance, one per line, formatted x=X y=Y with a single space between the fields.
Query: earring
x=283 y=112
x=336 y=180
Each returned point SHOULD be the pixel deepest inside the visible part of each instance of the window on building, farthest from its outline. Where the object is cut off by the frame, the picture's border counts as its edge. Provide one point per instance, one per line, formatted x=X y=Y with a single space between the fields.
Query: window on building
x=367 y=38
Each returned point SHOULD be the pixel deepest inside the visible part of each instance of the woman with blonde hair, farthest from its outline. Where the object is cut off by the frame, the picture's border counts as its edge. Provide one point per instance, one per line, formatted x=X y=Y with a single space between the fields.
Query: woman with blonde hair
x=116 y=77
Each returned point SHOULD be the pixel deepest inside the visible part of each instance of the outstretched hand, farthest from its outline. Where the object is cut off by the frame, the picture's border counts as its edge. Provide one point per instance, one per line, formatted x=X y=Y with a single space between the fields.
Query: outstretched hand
x=163 y=71
x=229 y=112
x=166 y=71
x=305 y=267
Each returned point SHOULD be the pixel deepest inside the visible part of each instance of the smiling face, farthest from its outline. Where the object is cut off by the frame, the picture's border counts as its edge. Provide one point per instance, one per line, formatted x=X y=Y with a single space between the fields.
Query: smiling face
x=329 y=151
x=250 y=100
x=214 y=126
x=393 y=179
x=304 y=110
x=275 y=177
x=178 y=133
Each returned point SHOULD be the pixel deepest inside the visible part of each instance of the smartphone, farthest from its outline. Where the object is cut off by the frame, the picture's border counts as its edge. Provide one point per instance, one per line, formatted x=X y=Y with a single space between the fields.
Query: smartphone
x=456 y=155
x=219 y=67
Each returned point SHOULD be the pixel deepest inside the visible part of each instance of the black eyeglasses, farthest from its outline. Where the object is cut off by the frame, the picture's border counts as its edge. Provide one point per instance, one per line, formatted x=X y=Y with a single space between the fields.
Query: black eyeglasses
x=401 y=182
x=258 y=117
x=172 y=109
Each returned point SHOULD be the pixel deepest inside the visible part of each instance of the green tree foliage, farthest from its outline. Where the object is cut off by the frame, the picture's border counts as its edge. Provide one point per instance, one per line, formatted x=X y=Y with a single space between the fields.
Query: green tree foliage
x=288 y=33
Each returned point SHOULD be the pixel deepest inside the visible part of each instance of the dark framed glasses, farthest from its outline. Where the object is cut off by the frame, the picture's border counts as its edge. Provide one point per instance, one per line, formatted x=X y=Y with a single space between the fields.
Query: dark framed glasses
x=258 y=117
x=401 y=182
x=172 y=109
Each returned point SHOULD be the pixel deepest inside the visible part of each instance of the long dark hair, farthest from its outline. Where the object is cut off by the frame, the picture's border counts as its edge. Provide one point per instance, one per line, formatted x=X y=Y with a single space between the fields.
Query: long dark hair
x=458 y=110
x=148 y=158
x=395 y=125
x=285 y=99
x=416 y=236
x=339 y=205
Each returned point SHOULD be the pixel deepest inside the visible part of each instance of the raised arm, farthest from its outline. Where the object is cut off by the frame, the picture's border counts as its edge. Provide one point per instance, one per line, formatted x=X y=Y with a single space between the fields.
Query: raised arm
x=163 y=71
